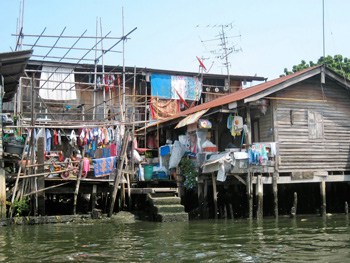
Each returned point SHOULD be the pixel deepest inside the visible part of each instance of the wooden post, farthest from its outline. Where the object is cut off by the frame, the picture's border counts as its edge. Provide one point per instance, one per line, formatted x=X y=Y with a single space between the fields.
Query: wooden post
x=275 y=193
x=293 y=211
x=205 y=198
x=250 y=195
x=2 y=171
x=323 y=198
x=215 y=196
x=249 y=125
x=129 y=191
x=200 y=196
x=41 y=179
x=119 y=171
x=19 y=172
x=260 y=195
x=2 y=193
x=93 y=196
x=346 y=208
x=76 y=192
x=231 y=210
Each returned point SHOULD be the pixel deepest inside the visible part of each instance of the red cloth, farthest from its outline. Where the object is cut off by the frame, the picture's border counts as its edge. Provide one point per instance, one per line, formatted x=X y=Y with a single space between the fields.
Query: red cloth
x=162 y=109
x=113 y=149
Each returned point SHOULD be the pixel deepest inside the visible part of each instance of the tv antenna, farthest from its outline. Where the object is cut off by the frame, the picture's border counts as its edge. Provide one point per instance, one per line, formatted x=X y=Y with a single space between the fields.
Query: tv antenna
x=225 y=48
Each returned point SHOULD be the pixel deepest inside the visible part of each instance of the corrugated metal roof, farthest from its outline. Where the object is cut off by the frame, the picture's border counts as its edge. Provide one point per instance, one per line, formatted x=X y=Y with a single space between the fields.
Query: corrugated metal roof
x=237 y=96
x=12 y=65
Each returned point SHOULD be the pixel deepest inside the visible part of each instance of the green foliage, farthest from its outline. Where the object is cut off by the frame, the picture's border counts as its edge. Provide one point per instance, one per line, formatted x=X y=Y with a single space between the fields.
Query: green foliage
x=21 y=207
x=190 y=173
x=148 y=154
x=338 y=63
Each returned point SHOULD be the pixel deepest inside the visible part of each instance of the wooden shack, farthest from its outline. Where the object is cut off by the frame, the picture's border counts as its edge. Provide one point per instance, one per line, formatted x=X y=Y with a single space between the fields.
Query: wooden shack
x=304 y=118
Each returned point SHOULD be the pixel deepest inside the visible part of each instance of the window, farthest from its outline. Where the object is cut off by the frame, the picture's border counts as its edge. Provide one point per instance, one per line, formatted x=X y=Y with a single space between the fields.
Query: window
x=315 y=123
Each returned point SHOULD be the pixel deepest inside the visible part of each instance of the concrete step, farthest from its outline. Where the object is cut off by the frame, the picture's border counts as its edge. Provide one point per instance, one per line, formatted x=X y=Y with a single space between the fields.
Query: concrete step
x=172 y=217
x=165 y=200
x=169 y=208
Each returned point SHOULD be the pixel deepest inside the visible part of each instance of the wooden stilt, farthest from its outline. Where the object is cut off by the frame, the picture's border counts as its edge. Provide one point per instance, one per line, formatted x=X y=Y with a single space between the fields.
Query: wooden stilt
x=200 y=196
x=41 y=179
x=2 y=193
x=275 y=194
x=260 y=195
x=119 y=171
x=129 y=191
x=77 y=186
x=250 y=195
x=231 y=211
x=205 y=198
x=323 y=198
x=215 y=196
x=93 y=196
x=293 y=211
x=14 y=192
x=122 y=196
x=346 y=208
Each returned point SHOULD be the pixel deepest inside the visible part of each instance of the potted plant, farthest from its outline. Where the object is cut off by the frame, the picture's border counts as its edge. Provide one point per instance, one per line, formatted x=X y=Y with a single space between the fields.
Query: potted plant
x=189 y=172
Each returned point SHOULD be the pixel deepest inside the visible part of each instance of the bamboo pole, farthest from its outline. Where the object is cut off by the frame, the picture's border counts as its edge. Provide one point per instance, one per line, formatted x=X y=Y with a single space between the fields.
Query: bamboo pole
x=47 y=188
x=215 y=196
x=118 y=173
x=76 y=192
x=19 y=172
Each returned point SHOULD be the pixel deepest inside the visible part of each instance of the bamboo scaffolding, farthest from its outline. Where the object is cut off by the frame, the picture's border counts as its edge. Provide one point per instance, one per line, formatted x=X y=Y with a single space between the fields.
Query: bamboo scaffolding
x=46 y=188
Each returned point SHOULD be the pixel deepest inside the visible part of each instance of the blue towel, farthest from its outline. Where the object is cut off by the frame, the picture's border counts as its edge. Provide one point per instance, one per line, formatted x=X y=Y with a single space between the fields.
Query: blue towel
x=104 y=166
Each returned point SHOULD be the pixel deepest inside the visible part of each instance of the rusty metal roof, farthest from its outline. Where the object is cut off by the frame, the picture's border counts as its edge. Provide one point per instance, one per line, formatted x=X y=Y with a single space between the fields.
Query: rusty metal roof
x=244 y=93
x=12 y=65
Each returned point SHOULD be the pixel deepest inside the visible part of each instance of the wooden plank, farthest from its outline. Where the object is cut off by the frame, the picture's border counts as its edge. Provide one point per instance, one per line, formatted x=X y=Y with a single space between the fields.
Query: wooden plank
x=315 y=179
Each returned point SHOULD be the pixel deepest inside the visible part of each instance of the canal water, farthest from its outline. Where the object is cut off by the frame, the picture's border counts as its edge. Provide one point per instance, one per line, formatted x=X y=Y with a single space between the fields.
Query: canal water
x=304 y=239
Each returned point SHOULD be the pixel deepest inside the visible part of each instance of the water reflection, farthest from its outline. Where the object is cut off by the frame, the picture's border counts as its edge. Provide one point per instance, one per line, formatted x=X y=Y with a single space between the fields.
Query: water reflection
x=269 y=240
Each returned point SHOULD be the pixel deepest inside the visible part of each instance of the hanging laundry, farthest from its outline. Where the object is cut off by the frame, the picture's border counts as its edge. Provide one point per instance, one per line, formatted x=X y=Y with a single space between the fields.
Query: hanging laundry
x=73 y=138
x=48 y=140
x=59 y=139
x=113 y=149
x=55 y=137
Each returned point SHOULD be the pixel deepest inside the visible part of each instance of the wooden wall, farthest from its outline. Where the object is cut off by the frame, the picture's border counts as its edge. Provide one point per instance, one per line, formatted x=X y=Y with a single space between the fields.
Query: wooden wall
x=313 y=135
x=265 y=126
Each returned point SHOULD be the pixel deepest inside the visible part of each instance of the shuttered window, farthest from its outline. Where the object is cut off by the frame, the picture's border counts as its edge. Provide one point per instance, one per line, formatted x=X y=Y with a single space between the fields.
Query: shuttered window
x=315 y=123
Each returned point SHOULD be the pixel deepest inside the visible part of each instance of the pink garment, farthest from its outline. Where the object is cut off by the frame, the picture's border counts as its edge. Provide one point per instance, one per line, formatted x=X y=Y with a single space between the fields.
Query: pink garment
x=86 y=166
x=113 y=149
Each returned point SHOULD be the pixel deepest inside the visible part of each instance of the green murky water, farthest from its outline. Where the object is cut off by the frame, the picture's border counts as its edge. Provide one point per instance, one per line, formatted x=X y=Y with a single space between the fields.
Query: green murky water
x=301 y=240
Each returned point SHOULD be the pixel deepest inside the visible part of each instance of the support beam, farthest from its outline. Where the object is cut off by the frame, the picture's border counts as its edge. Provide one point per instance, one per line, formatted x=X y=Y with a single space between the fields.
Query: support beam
x=323 y=198
x=215 y=196
x=250 y=195
x=41 y=179
x=293 y=211
x=260 y=195
x=2 y=193
x=275 y=194
x=93 y=196
x=76 y=192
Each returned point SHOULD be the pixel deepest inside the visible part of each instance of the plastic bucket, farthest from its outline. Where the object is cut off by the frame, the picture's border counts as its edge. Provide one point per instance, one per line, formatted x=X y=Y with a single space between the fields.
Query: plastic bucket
x=148 y=171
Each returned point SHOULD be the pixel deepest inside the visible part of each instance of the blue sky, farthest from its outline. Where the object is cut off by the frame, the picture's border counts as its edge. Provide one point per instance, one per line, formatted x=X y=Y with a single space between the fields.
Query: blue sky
x=274 y=34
